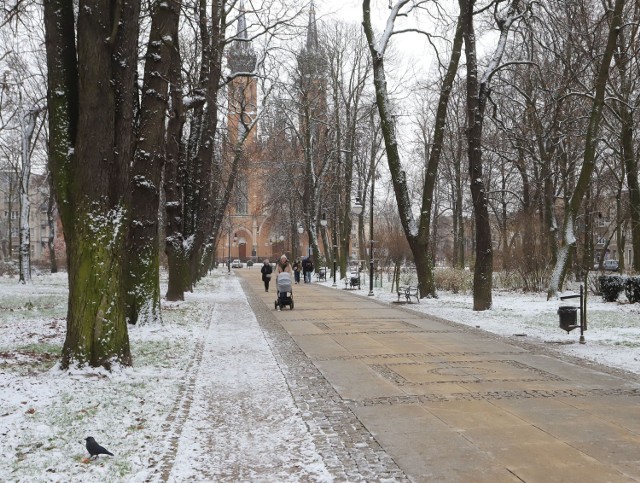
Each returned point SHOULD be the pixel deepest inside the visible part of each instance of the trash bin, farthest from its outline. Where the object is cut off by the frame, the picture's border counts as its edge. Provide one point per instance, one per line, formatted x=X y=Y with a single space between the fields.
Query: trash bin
x=568 y=317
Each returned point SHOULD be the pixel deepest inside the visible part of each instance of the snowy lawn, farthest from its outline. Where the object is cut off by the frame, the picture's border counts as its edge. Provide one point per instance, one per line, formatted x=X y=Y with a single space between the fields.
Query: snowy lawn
x=190 y=405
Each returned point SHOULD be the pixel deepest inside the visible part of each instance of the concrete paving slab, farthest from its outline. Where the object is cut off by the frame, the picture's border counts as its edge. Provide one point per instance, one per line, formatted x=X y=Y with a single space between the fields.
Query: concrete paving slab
x=356 y=380
x=320 y=346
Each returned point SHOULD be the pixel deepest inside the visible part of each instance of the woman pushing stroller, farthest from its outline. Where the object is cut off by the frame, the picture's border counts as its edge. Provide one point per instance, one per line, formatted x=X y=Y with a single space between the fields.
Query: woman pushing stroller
x=283 y=283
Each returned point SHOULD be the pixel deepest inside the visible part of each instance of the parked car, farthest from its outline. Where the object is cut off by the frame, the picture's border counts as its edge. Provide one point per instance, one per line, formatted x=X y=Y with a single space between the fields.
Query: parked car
x=611 y=265
x=236 y=263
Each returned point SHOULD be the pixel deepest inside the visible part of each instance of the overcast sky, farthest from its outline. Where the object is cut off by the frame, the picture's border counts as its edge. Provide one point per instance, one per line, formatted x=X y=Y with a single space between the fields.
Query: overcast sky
x=413 y=47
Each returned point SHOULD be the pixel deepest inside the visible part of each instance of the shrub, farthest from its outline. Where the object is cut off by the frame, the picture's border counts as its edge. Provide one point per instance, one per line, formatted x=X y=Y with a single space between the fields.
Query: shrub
x=611 y=286
x=249 y=263
x=632 y=289
x=453 y=280
x=8 y=268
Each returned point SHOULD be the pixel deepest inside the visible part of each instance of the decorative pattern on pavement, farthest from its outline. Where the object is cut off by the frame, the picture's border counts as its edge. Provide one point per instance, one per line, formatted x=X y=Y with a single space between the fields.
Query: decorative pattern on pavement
x=492 y=396
x=463 y=372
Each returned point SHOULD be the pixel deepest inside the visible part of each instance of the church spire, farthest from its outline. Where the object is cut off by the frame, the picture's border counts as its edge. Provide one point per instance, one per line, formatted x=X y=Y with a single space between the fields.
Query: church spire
x=312 y=30
x=242 y=57
x=311 y=59
x=242 y=23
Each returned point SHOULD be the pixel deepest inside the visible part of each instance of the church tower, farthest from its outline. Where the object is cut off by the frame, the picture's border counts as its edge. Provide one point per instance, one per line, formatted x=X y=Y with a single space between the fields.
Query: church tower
x=251 y=232
x=243 y=89
x=312 y=68
x=245 y=206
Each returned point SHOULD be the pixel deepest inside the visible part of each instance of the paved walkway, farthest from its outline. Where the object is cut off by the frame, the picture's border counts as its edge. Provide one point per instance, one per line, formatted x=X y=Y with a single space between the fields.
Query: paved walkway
x=404 y=396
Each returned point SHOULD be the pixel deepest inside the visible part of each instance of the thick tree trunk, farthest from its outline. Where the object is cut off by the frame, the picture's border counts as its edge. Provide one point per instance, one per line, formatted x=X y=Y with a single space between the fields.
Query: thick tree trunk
x=143 y=274
x=174 y=186
x=476 y=96
x=91 y=139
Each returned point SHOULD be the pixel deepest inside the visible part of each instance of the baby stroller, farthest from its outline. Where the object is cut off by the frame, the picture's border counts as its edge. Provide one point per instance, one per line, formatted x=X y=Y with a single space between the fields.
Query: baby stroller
x=283 y=287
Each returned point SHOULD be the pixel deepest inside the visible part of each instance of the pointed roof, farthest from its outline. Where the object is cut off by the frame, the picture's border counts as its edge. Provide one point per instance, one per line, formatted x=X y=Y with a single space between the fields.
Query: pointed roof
x=242 y=57
x=311 y=59
x=312 y=30
x=242 y=23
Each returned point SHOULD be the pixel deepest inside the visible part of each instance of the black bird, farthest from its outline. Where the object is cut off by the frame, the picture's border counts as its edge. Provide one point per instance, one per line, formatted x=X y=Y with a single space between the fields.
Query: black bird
x=95 y=449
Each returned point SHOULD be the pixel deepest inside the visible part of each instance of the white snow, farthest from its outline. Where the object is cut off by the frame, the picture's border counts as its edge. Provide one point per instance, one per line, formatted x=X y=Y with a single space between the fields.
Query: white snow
x=206 y=399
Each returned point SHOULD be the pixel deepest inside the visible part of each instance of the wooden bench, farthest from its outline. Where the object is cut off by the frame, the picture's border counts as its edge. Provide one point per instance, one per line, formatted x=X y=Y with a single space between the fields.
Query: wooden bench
x=408 y=291
x=322 y=275
x=352 y=281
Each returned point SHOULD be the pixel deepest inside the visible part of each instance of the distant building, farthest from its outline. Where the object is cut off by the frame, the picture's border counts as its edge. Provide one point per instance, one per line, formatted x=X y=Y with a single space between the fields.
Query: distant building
x=251 y=229
x=38 y=221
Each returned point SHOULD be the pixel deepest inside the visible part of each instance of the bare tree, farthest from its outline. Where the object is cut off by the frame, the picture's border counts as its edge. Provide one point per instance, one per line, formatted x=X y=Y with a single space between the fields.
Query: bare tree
x=417 y=232
x=478 y=89
x=567 y=241
x=143 y=277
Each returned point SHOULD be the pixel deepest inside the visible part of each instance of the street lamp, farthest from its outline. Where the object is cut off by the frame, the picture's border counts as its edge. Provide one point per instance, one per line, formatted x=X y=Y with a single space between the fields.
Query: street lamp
x=300 y=232
x=229 y=251
x=373 y=185
x=335 y=249
x=323 y=224
x=281 y=238
x=357 y=207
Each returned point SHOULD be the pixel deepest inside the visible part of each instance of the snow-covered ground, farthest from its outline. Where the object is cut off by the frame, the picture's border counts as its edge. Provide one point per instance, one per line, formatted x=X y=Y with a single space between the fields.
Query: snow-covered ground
x=205 y=401
x=205 y=389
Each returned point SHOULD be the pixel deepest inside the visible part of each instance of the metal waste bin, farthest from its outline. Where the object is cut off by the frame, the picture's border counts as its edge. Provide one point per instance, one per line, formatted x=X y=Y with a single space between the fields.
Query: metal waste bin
x=568 y=317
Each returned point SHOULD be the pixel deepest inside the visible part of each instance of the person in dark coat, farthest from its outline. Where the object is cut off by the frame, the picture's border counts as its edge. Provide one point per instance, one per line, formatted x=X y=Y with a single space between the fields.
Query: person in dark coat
x=266 y=274
x=296 y=270
x=307 y=269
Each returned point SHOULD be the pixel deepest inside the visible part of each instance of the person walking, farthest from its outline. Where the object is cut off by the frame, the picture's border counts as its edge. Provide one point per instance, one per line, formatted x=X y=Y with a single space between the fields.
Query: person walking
x=266 y=271
x=307 y=269
x=283 y=265
x=296 y=270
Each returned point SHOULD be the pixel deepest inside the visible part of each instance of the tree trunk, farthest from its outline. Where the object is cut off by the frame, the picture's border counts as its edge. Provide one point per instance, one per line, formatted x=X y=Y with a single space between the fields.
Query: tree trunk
x=476 y=97
x=625 y=112
x=416 y=232
x=200 y=191
x=143 y=273
x=91 y=139
x=27 y=124
x=173 y=185
x=568 y=241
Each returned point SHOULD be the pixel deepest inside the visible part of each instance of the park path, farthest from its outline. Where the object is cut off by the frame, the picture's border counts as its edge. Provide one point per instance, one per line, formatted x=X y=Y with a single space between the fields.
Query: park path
x=390 y=394
x=235 y=419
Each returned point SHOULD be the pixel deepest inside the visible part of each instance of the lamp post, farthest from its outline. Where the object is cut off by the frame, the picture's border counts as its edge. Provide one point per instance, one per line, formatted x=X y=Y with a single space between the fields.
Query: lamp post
x=281 y=238
x=373 y=185
x=300 y=232
x=229 y=251
x=323 y=224
x=335 y=250
x=356 y=209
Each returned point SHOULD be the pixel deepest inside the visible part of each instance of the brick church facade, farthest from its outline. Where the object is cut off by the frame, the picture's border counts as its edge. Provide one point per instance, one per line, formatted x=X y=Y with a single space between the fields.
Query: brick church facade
x=251 y=230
